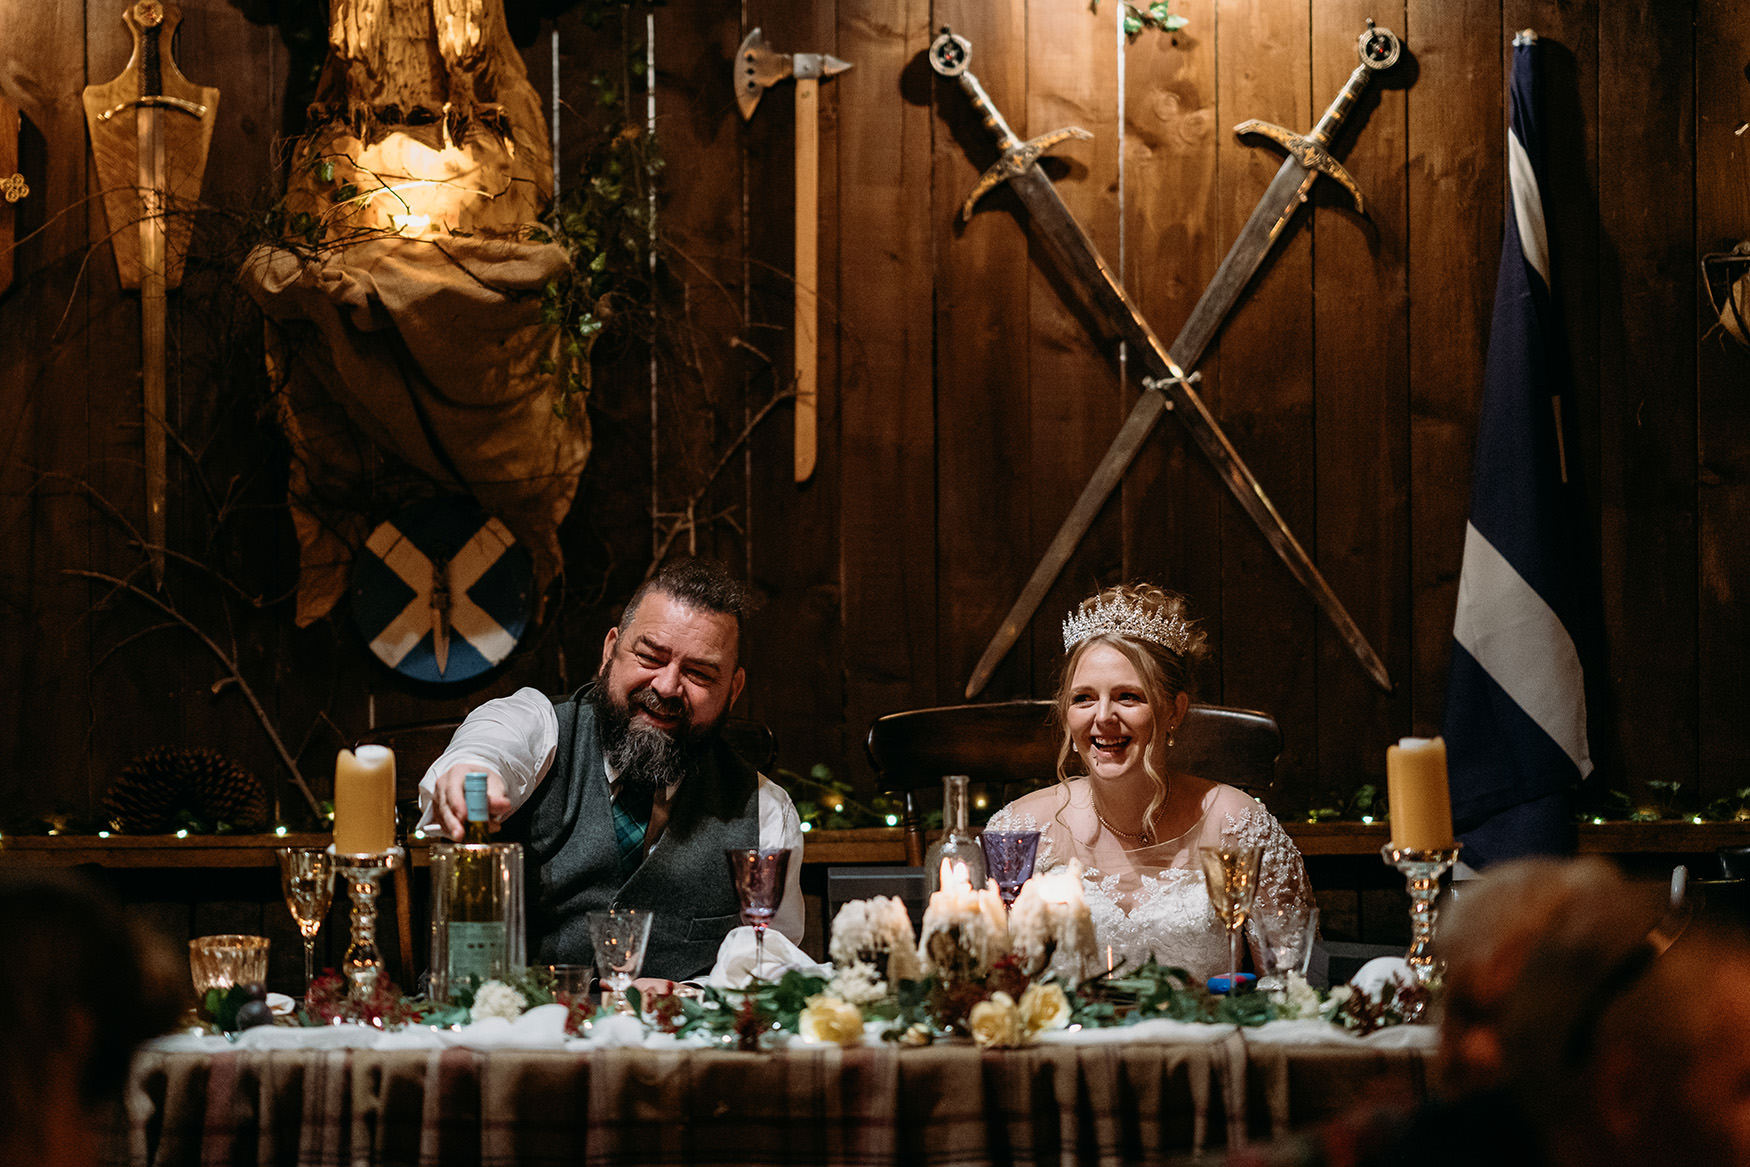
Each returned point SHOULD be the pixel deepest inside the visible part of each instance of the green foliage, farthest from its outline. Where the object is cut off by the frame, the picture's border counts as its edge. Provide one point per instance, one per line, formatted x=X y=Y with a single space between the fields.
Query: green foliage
x=1364 y=802
x=744 y=1015
x=1158 y=16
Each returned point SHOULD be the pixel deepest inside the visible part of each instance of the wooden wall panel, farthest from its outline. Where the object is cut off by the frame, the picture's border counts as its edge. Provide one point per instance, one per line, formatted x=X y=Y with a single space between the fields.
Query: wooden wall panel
x=1455 y=186
x=1647 y=329
x=1722 y=217
x=43 y=321
x=1172 y=246
x=887 y=558
x=1362 y=431
x=1073 y=391
x=965 y=395
x=1264 y=394
x=791 y=529
x=983 y=435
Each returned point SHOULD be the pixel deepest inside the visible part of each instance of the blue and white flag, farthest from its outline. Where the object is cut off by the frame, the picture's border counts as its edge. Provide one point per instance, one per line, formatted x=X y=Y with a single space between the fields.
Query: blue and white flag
x=1515 y=727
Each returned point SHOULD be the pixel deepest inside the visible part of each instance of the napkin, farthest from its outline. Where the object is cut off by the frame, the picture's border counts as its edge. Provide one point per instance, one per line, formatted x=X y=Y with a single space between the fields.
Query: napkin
x=735 y=960
x=1372 y=977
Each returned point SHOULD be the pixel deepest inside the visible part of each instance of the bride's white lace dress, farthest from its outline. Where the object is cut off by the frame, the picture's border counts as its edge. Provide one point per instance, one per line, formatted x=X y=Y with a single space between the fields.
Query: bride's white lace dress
x=1151 y=901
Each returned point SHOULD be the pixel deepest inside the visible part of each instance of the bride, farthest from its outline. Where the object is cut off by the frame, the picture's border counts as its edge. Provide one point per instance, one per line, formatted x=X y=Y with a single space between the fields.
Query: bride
x=1121 y=807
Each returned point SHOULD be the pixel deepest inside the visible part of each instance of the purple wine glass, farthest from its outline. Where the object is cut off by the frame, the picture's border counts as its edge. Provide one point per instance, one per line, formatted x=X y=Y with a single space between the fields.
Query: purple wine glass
x=759 y=884
x=1008 y=858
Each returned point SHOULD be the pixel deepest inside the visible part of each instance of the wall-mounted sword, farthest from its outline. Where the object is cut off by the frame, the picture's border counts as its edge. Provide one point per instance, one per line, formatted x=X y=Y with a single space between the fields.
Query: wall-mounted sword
x=148 y=168
x=1172 y=387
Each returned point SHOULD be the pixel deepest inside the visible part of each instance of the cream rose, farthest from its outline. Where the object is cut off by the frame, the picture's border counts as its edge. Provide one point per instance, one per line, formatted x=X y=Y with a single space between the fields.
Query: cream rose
x=830 y=1021
x=996 y=1023
x=1044 y=1006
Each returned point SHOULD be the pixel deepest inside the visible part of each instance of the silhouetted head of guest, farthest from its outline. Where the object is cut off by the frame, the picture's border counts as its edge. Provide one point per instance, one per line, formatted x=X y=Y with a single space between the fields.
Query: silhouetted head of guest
x=82 y=984
x=1618 y=1029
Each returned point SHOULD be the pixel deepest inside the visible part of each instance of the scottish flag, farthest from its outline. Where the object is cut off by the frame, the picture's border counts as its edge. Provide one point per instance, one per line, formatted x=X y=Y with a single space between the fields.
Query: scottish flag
x=1515 y=703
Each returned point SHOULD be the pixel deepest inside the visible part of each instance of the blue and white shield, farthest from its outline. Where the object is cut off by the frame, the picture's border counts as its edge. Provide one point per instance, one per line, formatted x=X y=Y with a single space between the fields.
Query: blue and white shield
x=441 y=591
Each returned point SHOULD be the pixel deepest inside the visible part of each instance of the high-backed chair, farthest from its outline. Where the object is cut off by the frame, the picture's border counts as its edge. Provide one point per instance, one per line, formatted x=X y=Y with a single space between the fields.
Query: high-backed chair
x=1016 y=742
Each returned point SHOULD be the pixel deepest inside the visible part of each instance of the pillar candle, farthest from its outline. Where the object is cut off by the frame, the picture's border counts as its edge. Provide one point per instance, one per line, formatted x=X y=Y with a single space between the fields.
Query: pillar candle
x=1421 y=805
x=364 y=801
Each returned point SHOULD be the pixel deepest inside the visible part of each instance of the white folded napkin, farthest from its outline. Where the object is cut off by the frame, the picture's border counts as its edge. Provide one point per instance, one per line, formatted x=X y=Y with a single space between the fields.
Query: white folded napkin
x=1372 y=977
x=735 y=960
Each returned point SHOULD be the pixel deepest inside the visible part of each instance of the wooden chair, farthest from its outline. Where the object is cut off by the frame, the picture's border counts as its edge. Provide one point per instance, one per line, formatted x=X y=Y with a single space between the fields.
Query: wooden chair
x=1015 y=742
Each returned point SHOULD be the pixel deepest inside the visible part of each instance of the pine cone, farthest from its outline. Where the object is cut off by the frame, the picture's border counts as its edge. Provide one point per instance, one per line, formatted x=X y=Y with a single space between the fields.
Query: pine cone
x=155 y=786
x=224 y=792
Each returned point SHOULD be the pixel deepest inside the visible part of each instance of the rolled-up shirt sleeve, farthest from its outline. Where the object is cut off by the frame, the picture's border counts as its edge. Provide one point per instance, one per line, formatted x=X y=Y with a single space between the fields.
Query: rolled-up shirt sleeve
x=515 y=737
x=781 y=827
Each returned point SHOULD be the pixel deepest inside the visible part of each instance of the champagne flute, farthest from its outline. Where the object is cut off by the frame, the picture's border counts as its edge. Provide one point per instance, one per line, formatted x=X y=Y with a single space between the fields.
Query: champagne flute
x=1230 y=871
x=759 y=884
x=307 y=878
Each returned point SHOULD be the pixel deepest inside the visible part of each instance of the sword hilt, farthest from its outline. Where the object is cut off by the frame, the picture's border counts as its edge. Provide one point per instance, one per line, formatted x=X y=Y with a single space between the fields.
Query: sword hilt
x=950 y=55
x=1378 y=49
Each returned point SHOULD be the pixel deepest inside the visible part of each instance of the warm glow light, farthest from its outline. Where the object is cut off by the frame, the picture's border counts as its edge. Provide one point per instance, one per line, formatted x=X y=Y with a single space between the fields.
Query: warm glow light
x=981 y=802
x=411 y=224
x=1696 y=820
x=1597 y=822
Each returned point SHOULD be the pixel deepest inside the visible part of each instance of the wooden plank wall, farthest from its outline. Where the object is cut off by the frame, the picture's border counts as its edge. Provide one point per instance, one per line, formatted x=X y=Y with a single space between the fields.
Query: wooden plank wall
x=965 y=396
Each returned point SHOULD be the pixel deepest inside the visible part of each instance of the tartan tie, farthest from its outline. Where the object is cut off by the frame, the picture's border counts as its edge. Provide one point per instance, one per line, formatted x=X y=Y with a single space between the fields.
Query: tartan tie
x=631 y=820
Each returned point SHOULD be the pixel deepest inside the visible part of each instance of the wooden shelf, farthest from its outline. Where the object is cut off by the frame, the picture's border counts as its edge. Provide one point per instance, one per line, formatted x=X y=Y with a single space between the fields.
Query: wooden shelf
x=874 y=845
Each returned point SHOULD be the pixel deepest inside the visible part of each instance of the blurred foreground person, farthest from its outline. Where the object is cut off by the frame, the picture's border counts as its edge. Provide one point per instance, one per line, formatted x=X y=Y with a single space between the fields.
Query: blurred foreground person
x=81 y=986
x=1586 y=1022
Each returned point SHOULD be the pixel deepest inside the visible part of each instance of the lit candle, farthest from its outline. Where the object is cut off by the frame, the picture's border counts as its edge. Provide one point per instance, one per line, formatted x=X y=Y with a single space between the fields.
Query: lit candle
x=965 y=931
x=1421 y=805
x=364 y=801
x=1052 y=928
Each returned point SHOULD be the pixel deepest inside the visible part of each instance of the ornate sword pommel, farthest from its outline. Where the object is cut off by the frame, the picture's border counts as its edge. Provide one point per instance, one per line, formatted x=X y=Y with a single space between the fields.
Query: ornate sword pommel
x=950 y=54
x=13 y=187
x=1379 y=48
x=1017 y=160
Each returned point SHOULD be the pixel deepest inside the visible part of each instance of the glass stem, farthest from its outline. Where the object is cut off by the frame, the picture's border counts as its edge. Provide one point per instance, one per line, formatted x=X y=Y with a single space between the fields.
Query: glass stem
x=759 y=949
x=309 y=964
x=1233 y=960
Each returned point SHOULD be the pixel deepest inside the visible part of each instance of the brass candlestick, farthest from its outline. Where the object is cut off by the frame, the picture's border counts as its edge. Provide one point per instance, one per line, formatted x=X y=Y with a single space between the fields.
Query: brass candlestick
x=364 y=874
x=1422 y=870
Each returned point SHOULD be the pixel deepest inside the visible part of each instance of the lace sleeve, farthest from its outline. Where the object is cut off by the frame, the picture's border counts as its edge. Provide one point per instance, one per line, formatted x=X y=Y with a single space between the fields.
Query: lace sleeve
x=1283 y=887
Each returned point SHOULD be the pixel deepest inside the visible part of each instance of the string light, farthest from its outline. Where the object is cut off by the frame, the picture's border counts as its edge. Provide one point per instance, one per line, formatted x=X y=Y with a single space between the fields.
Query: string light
x=893 y=820
x=103 y=834
x=280 y=830
x=807 y=826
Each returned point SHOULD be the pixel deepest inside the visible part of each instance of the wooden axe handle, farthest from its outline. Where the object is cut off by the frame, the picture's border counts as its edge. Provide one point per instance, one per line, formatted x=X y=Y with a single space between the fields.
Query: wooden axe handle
x=807 y=246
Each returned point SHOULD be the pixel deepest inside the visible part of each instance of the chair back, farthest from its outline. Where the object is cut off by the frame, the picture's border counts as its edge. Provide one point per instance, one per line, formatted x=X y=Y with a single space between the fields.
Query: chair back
x=1016 y=742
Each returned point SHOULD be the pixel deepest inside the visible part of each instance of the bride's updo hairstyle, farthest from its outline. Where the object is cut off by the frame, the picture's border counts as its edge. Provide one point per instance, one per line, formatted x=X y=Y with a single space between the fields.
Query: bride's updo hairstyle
x=1149 y=625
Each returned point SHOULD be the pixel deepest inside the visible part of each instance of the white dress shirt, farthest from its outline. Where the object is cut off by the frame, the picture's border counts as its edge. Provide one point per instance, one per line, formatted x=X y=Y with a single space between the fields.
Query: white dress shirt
x=517 y=737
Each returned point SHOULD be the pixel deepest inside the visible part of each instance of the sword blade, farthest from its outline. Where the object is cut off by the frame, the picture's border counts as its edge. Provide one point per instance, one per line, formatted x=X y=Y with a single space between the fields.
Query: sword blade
x=153 y=258
x=1077 y=255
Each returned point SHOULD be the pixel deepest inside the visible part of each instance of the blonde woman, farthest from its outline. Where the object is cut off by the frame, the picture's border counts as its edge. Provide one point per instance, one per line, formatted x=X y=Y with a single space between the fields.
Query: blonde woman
x=1121 y=806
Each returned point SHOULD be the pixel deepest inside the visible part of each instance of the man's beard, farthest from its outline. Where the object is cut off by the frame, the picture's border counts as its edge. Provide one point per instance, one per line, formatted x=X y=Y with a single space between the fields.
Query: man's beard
x=647 y=754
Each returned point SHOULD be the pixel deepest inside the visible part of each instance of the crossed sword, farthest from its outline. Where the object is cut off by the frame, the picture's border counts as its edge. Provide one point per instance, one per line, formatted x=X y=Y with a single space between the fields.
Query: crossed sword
x=1169 y=386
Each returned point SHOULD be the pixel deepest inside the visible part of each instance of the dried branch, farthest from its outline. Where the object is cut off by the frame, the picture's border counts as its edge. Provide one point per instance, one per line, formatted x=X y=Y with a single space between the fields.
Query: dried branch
x=229 y=661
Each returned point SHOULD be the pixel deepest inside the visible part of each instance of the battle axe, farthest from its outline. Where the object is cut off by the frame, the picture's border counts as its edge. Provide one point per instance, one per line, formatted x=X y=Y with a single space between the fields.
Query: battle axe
x=757 y=69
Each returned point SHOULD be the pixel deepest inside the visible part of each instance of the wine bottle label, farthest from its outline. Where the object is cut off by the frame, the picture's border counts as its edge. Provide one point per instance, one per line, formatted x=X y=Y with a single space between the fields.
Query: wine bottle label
x=475 y=950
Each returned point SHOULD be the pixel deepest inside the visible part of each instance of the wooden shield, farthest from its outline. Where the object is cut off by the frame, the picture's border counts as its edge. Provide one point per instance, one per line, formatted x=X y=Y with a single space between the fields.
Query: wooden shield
x=110 y=113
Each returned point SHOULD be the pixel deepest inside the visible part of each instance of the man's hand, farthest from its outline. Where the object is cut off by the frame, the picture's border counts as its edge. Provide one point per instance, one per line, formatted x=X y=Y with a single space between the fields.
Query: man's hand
x=452 y=804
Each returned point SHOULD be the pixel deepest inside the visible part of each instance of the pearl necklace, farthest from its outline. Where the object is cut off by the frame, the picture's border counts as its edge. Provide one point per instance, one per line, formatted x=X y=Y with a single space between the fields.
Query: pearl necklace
x=1146 y=838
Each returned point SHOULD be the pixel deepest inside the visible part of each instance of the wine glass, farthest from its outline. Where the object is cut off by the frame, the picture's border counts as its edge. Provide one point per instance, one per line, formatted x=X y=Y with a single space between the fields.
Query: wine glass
x=1009 y=857
x=307 y=878
x=759 y=884
x=1230 y=871
x=619 y=936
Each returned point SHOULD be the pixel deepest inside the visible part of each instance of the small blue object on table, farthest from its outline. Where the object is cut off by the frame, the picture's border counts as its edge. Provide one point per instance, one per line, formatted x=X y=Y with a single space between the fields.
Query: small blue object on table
x=1219 y=984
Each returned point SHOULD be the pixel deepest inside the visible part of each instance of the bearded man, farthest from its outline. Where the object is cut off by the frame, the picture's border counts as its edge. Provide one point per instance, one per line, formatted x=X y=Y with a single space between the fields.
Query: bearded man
x=625 y=794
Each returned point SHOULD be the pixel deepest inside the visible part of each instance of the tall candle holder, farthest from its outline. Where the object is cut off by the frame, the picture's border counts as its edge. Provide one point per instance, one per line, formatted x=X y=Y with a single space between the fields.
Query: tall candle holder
x=364 y=875
x=1422 y=869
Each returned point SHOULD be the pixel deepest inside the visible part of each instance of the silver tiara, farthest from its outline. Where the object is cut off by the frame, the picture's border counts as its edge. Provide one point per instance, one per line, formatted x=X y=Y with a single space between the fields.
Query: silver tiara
x=1122 y=617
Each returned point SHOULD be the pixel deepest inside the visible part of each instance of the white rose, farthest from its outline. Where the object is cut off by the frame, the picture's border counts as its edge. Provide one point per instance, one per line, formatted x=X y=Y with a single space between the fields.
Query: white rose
x=996 y=1023
x=497 y=999
x=830 y=1021
x=1044 y=1006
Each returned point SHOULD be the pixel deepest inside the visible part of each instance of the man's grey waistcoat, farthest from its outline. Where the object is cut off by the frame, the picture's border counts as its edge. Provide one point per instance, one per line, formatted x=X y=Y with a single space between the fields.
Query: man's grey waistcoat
x=573 y=857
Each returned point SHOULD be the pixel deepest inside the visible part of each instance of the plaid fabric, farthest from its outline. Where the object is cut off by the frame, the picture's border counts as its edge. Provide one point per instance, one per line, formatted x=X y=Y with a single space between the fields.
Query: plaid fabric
x=631 y=820
x=1111 y=1103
